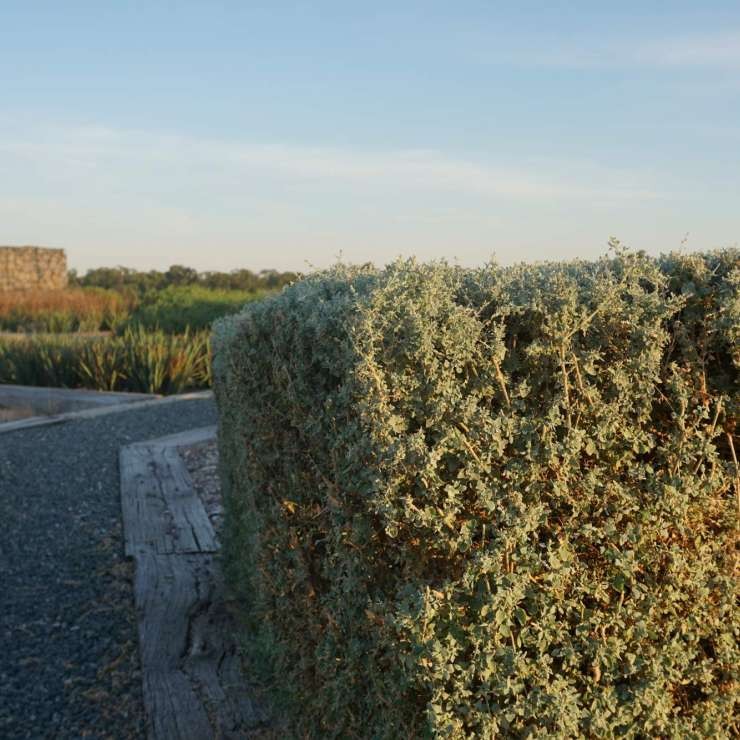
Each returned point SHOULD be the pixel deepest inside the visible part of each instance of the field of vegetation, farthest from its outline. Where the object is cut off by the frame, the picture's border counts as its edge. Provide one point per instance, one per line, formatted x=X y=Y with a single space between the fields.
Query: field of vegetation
x=123 y=330
x=54 y=311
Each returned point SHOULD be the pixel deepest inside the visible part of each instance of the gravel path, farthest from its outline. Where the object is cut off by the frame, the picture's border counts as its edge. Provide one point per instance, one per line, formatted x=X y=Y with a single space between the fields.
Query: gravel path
x=68 y=645
x=201 y=461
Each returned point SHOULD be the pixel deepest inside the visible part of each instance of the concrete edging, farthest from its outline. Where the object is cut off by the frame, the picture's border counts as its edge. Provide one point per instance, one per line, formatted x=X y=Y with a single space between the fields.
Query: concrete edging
x=116 y=408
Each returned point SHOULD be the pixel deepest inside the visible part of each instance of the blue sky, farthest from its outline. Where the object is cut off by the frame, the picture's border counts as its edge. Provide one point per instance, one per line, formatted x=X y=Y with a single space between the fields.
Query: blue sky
x=283 y=134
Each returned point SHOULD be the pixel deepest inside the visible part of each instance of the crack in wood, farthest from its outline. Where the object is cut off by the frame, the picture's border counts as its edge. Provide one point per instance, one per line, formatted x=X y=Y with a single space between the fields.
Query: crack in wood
x=193 y=686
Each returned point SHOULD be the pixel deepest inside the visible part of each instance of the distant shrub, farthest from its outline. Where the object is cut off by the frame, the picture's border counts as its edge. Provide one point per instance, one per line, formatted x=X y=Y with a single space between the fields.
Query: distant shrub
x=137 y=361
x=489 y=503
x=56 y=311
x=142 y=282
x=177 y=308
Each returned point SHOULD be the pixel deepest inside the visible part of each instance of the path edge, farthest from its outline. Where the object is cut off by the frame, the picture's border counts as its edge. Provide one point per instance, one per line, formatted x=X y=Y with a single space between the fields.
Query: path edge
x=187 y=695
x=119 y=408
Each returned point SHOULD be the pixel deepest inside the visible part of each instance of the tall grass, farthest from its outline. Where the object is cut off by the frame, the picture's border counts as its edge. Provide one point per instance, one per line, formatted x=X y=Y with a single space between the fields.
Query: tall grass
x=138 y=360
x=57 y=311
x=174 y=309
x=178 y=308
x=159 y=344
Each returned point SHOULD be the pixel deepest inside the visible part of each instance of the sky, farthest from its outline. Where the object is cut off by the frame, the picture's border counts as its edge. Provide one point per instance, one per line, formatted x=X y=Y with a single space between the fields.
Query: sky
x=288 y=135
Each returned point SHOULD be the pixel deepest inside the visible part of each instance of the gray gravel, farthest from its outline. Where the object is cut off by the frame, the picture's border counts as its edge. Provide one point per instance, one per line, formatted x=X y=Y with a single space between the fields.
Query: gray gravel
x=68 y=646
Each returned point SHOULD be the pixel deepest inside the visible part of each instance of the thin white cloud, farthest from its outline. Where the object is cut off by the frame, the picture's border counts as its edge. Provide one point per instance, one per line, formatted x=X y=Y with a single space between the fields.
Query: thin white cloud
x=79 y=151
x=708 y=50
x=720 y=50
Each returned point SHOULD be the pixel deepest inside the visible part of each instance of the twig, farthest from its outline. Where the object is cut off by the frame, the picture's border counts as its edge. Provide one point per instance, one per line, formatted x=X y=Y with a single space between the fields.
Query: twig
x=471 y=450
x=711 y=431
x=502 y=382
x=585 y=322
x=579 y=379
x=737 y=471
x=566 y=386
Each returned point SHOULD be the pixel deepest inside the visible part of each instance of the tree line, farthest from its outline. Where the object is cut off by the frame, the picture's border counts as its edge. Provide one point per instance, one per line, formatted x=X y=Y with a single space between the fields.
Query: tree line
x=126 y=278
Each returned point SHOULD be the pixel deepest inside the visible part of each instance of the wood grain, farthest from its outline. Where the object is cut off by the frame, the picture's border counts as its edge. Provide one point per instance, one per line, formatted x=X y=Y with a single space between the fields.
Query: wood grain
x=161 y=511
x=191 y=670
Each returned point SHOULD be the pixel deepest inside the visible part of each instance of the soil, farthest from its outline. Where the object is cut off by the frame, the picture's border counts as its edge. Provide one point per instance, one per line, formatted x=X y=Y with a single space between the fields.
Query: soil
x=9 y=413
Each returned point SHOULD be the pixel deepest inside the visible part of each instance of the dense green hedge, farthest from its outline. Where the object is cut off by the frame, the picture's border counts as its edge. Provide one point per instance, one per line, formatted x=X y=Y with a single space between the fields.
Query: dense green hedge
x=491 y=503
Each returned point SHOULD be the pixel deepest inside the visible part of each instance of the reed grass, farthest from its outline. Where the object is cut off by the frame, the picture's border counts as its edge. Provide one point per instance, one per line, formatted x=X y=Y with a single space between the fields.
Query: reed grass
x=138 y=360
x=59 y=311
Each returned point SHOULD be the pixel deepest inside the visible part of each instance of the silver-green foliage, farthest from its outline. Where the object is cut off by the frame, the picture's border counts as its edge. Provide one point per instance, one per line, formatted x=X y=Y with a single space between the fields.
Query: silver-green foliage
x=490 y=503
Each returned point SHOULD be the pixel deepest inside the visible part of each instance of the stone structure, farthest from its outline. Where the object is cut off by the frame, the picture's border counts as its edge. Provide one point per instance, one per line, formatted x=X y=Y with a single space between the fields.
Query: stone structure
x=32 y=268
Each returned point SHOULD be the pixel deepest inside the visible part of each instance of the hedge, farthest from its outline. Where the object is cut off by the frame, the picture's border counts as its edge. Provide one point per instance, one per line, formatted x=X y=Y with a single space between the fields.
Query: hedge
x=489 y=503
